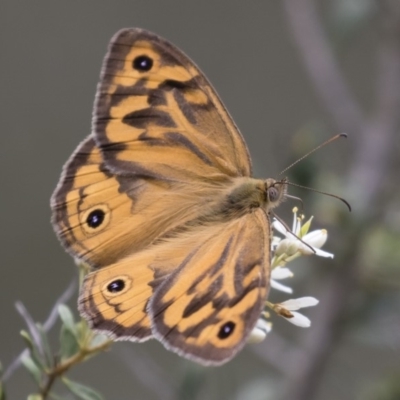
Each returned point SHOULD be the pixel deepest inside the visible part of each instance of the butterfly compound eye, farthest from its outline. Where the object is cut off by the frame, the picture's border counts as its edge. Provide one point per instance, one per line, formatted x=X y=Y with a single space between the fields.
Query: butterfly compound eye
x=142 y=63
x=226 y=330
x=95 y=218
x=273 y=194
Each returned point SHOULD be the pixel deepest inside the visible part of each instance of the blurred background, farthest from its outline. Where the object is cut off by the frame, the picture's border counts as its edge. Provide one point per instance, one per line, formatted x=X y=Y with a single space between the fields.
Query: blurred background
x=292 y=73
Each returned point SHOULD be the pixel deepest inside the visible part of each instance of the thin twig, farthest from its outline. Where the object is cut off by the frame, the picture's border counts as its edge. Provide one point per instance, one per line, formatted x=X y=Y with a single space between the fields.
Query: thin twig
x=63 y=367
x=321 y=65
x=374 y=148
x=31 y=325
x=48 y=324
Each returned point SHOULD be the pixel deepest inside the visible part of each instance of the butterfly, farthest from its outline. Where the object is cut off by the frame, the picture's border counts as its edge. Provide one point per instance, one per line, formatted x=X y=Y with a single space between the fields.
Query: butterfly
x=159 y=200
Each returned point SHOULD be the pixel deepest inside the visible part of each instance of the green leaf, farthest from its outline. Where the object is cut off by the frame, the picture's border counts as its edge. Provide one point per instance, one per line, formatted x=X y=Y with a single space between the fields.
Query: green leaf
x=69 y=343
x=35 y=397
x=56 y=396
x=99 y=339
x=27 y=339
x=2 y=391
x=32 y=368
x=81 y=391
x=34 y=351
x=68 y=319
x=48 y=357
x=83 y=331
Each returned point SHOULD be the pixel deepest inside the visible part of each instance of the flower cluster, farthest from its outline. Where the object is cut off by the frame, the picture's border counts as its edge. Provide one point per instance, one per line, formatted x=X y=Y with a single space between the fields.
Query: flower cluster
x=296 y=242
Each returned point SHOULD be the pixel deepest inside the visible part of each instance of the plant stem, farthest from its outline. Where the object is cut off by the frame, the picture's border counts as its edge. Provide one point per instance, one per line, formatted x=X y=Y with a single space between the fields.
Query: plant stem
x=61 y=368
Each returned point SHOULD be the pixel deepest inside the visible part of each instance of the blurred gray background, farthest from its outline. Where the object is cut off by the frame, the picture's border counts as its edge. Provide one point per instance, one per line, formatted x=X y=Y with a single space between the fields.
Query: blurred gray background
x=292 y=73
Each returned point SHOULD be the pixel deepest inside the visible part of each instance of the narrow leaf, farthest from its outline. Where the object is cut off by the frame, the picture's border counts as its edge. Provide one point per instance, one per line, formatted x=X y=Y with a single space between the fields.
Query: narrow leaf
x=81 y=391
x=2 y=391
x=33 y=368
x=56 y=396
x=48 y=357
x=83 y=330
x=67 y=318
x=99 y=339
x=69 y=343
x=35 y=397
x=33 y=350
x=27 y=339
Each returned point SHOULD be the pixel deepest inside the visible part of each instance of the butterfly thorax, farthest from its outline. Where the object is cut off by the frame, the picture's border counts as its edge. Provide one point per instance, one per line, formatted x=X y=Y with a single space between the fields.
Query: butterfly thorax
x=247 y=194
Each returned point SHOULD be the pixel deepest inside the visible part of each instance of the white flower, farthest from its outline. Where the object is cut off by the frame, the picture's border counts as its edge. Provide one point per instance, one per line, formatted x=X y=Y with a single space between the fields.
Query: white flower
x=296 y=241
x=288 y=307
x=279 y=273
x=260 y=331
x=316 y=239
x=310 y=242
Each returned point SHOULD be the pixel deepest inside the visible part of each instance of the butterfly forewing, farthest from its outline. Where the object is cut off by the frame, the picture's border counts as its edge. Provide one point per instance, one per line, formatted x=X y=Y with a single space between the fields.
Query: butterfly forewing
x=157 y=116
x=101 y=217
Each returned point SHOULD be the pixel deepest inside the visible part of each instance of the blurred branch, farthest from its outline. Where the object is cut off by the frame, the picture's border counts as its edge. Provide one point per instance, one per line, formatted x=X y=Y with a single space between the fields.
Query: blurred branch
x=279 y=353
x=148 y=373
x=49 y=323
x=321 y=65
x=374 y=149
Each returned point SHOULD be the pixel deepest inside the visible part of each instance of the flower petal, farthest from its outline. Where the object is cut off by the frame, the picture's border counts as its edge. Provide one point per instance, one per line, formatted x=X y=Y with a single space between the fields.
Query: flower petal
x=275 y=241
x=316 y=238
x=288 y=247
x=323 y=253
x=279 y=227
x=299 y=320
x=281 y=273
x=294 y=224
x=278 y=286
x=305 y=250
x=301 y=302
x=260 y=331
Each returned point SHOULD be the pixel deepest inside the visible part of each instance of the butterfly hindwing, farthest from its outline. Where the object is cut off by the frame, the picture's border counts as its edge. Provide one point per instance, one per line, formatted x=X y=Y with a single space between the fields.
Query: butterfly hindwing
x=114 y=299
x=208 y=306
x=200 y=294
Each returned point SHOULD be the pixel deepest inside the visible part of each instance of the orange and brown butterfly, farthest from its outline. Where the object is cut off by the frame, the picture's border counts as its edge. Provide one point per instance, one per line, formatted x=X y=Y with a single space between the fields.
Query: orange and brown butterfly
x=160 y=202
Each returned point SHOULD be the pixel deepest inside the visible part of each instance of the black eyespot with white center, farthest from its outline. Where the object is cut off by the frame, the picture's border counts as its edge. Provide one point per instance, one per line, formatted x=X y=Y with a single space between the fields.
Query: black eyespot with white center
x=116 y=286
x=142 y=63
x=95 y=218
x=226 y=330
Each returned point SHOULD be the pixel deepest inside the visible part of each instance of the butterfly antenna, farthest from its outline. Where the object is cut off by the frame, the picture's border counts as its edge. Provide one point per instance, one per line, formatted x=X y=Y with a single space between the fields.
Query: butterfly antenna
x=320 y=192
x=315 y=149
x=289 y=230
